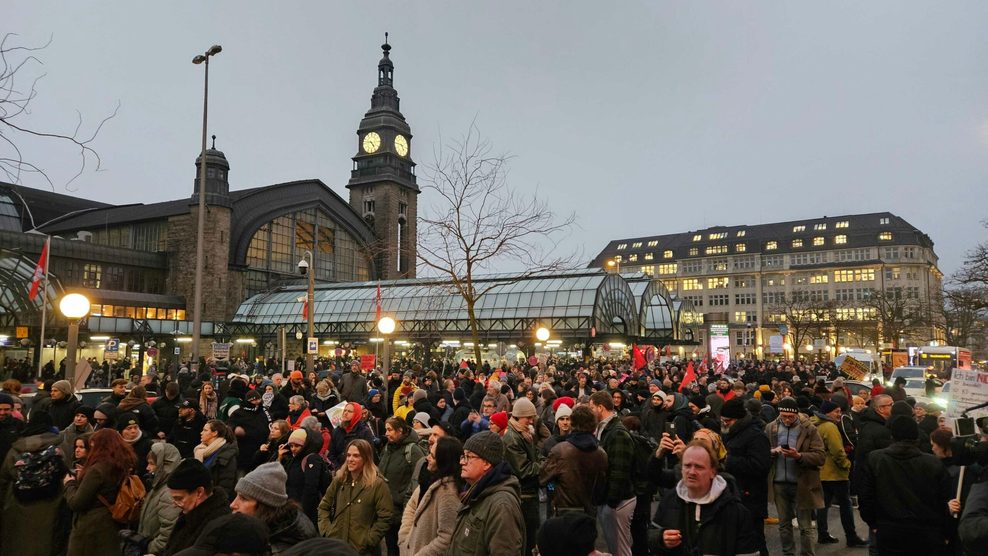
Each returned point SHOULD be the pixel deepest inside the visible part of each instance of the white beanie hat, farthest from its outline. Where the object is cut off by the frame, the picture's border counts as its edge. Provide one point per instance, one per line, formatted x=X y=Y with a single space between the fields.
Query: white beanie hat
x=563 y=411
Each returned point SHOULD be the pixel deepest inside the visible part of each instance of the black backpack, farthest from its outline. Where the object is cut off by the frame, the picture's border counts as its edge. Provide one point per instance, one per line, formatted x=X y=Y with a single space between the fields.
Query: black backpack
x=645 y=448
x=39 y=475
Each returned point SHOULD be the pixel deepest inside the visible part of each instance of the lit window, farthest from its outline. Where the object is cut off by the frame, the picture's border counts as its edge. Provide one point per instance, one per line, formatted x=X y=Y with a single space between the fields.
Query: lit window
x=883 y=221
x=633 y=257
x=653 y=243
x=667 y=254
x=649 y=269
x=716 y=250
x=718 y=235
x=698 y=237
x=714 y=283
x=649 y=256
x=694 y=251
x=840 y=240
x=622 y=246
x=667 y=268
x=771 y=246
x=636 y=245
x=742 y=233
x=797 y=243
x=819 y=278
x=820 y=227
x=798 y=229
x=740 y=248
x=817 y=241
x=842 y=224
x=885 y=236
x=692 y=284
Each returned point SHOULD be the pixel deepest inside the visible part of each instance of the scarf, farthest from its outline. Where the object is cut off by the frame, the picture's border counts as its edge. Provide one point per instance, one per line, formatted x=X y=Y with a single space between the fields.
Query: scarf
x=266 y=399
x=203 y=452
x=358 y=412
x=208 y=404
x=525 y=432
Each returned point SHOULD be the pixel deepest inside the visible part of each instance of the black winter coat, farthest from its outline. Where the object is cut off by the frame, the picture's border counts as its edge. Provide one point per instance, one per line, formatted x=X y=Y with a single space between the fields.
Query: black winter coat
x=167 y=412
x=872 y=435
x=190 y=525
x=62 y=411
x=725 y=526
x=973 y=528
x=304 y=473
x=903 y=487
x=748 y=460
x=185 y=434
x=254 y=422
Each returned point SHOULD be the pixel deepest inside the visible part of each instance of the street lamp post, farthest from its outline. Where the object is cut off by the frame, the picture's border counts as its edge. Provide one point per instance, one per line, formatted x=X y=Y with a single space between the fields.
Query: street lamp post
x=74 y=306
x=386 y=326
x=201 y=219
x=303 y=269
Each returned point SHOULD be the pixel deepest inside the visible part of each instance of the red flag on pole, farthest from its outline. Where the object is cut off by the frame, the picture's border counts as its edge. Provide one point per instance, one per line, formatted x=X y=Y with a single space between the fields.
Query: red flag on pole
x=39 y=271
x=305 y=306
x=378 y=315
x=689 y=377
x=703 y=366
x=638 y=357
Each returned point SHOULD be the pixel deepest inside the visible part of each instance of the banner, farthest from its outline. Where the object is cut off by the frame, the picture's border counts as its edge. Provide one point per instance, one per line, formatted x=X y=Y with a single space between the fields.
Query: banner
x=39 y=271
x=368 y=362
x=775 y=344
x=720 y=347
x=967 y=389
x=221 y=352
x=851 y=367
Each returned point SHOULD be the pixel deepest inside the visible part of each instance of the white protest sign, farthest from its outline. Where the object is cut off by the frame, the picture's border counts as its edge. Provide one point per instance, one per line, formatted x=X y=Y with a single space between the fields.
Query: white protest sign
x=967 y=389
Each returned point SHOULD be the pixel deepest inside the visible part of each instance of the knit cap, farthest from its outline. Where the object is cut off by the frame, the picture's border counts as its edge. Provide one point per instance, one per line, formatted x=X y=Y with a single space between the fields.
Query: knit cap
x=63 y=386
x=904 y=428
x=733 y=409
x=827 y=406
x=523 y=408
x=190 y=475
x=266 y=484
x=487 y=445
x=788 y=405
x=422 y=417
x=419 y=394
x=5 y=399
x=563 y=411
x=298 y=436
x=500 y=419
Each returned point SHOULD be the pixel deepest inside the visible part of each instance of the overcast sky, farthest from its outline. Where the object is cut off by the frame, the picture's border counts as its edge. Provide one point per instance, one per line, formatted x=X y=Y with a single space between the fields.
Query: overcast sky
x=642 y=117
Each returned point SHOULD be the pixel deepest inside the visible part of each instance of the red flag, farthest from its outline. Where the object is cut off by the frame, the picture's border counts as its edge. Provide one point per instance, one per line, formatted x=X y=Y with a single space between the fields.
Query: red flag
x=689 y=377
x=378 y=315
x=39 y=271
x=703 y=366
x=305 y=306
x=638 y=357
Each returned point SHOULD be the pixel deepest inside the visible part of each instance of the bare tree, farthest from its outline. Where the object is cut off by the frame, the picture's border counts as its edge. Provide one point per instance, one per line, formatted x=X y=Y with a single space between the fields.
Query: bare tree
x=479 y=222
x=962 y=312
x=17 y=90
x=975 y=268
x=833 y=317
x=896 y=315
x=799 y=314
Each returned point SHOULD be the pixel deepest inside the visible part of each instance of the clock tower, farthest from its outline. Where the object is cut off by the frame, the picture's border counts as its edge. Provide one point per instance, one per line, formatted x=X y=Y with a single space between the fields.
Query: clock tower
x=382 y=182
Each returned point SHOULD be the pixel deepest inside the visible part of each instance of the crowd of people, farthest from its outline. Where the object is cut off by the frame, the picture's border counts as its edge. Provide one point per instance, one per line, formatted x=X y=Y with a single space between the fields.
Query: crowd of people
x=484 y=459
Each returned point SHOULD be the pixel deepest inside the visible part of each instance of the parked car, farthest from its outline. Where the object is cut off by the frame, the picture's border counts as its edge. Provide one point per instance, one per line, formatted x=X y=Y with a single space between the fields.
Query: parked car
x=907 y=373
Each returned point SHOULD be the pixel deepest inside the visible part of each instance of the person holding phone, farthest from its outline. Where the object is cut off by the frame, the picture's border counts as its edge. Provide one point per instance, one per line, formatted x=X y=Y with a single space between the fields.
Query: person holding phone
x=794 y=477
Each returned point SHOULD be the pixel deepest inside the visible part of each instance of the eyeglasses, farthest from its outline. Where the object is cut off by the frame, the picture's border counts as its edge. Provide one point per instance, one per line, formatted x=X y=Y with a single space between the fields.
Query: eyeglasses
x=466 y=458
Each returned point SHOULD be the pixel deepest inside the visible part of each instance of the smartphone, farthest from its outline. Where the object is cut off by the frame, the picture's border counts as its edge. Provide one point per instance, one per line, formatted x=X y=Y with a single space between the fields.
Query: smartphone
x=785 y=446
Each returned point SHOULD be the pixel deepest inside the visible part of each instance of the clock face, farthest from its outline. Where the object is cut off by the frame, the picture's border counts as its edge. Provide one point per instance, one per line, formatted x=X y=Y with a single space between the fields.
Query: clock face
x=401 y=145
x=372 y=142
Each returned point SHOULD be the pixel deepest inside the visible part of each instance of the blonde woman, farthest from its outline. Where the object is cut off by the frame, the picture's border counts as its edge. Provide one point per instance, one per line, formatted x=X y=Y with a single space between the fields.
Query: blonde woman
x=357 y=505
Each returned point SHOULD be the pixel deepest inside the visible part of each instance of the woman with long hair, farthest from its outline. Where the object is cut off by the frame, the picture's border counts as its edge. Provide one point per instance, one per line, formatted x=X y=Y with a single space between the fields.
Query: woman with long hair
x=208 y=400
x=357 y=505
x=429 y=517
x=110 y=460
x=218 y=452
x=398 y=460
x=277 y=435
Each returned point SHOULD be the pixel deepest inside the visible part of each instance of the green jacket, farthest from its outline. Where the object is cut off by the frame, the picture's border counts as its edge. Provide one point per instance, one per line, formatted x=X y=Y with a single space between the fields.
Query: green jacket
x=362 y=514
x=490 y=520
x=397 y=463
x=524 y=460
x=836 y=467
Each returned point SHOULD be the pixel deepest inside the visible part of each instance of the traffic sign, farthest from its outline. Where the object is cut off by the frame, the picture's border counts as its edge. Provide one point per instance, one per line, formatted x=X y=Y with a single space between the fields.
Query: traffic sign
x=112 y=348
x=312 y=346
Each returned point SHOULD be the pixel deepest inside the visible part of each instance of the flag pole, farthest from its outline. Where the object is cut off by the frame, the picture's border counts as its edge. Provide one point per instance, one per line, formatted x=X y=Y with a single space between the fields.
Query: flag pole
x=44 y=305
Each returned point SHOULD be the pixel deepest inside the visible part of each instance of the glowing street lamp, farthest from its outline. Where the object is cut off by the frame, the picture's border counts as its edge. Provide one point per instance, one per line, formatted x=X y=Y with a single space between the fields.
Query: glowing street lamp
x=386 y=326
x=542 y=334
x=74 y=307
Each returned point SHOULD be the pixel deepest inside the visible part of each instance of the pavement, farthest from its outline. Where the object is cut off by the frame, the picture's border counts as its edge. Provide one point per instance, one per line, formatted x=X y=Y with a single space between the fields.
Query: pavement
x=774 y=543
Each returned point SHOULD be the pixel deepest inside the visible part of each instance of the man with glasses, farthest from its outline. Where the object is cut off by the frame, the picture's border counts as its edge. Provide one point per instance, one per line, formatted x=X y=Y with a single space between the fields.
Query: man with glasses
x=872 y=435
x=490 y=520
x=191 y=489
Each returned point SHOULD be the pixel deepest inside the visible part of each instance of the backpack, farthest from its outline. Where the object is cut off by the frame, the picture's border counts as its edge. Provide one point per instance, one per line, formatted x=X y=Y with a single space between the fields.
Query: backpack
x=39 y=475
x=325 y=475
x=645 y=448
x=126 y=509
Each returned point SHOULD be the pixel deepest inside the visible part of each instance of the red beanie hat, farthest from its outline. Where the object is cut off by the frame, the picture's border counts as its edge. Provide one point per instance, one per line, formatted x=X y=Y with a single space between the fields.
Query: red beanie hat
x=500 y=419
x=563 y=400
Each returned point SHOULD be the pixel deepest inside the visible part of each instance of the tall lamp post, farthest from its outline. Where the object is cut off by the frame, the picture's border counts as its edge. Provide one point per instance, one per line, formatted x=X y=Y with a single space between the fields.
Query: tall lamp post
x=303 y=269
x=201 y=224
x=386 y=326
x=74 y=306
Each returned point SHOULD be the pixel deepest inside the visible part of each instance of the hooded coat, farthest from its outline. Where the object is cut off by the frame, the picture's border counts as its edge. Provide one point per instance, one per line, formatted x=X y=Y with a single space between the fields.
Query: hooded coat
x=748 y=460
x=490 y=519
x=724 y=526
x=159 y=513
x=428 y=520
x=254 y=422
x=17 y=518
x=304 y=474
x=289 y=531
x=578 y=467
x=189 y=526
x=397 y=463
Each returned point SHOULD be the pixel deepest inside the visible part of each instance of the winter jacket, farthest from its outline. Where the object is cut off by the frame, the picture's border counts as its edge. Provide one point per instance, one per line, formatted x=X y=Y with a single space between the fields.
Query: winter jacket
x=578 y=467
x=61 y=411
x=158 y=512
x=185 y=435
x=93 y=529
x=748 y=460
x=190 y=525
x=809 y=491
x=340 y=438
x=305 y=472
x=295 y=418
x=18 y=518
x=254 y=422
x=397 y=463
x=620 y=448
x=287 y=532
x=724 y=526
x=356 y=514
x=222 y=467
x=836 y=467
x=490 y=521
x=653 y=421
x=973 y=528
x=353 y=387
x=428 y=520
x=140 y=409
x=872 y=435
x=903 y=487
x=523 y=457
x=167 y=412
x=66 y=441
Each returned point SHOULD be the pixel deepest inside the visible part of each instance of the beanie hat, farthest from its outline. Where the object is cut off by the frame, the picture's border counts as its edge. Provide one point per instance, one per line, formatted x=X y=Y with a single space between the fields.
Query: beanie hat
x=563 y=400
x=127 y=420
x=459 y=395
x=803 y=402
x=901 y=408
x=570 y=533
x=63 y=386
x=768 y=396
x=788 y=405
x=500 y=419
x=266 y=484
x=904 y=428
x=827 y=406
x=505 y=388
x=563 y=411
x=5 y=399
x=487 y=445
x=523 y=408
x=753 y=406
x=422 y=417
x=234 y=533
x=699 y=401
x=295 y=375
x=419 y=394
x=190 y=475
x=733 y=409
x=298 y=436
x=370 y=393
x=84 y=410
x=252 y=395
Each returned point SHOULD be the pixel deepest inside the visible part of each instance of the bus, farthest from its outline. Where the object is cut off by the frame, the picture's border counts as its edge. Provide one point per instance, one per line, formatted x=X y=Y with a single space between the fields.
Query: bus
x=943 y=359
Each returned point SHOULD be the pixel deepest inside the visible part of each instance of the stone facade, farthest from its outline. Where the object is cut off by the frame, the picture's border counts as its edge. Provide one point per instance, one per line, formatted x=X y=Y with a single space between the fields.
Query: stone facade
x=222 y=287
